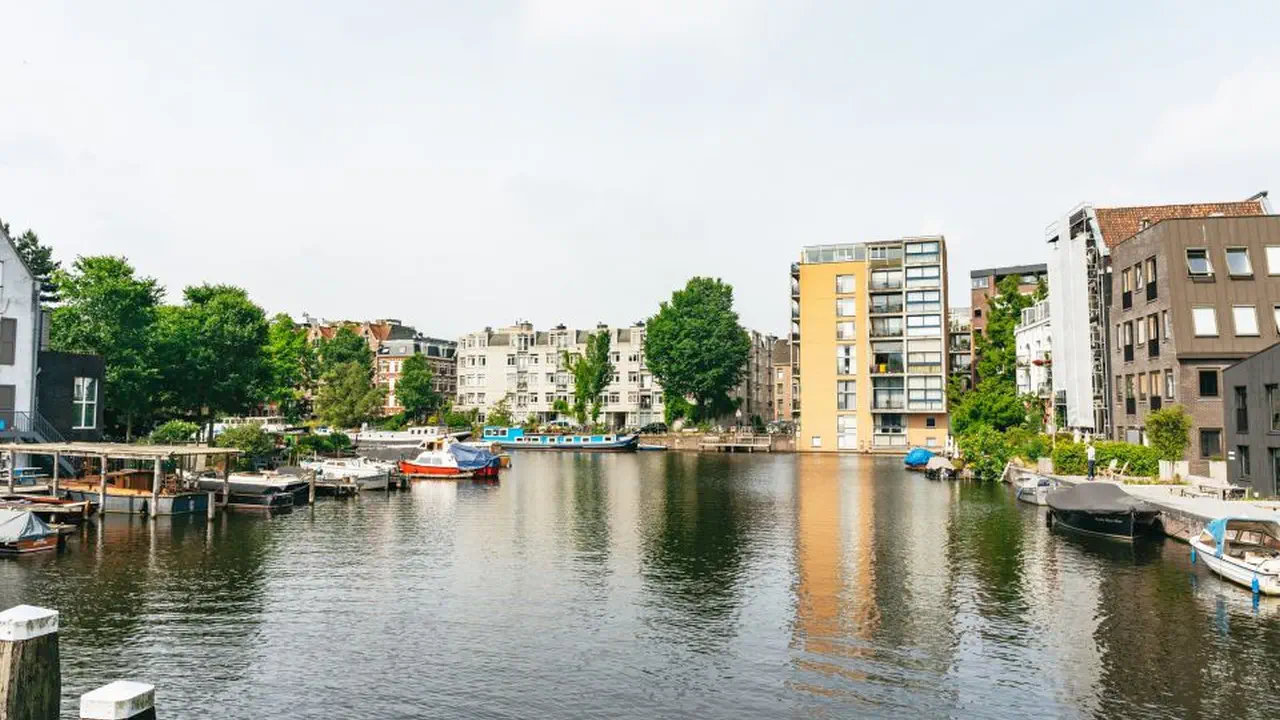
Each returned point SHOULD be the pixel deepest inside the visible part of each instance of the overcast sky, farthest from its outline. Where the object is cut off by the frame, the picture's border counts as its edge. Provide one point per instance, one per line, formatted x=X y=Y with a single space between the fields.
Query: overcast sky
x=462 y=164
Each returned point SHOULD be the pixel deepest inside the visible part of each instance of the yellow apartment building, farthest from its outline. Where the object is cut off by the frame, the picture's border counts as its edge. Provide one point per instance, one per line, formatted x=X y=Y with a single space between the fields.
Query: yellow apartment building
x=870 y=320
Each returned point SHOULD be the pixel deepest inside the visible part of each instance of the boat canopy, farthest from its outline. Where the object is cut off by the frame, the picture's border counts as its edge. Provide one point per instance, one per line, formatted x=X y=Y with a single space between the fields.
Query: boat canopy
x=18 y=525
x=918 y=456
x=1098 y=497
x=470 y=458
x=1218 y=529
x=939 y=463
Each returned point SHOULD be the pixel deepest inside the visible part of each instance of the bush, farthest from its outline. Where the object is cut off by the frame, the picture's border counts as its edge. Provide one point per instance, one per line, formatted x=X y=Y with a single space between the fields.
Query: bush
x=322 y=444
x=985 y=451
x=251 y=440
x=1070 y=458
x=1169 y=430
x=173 y=433
x=1026 y=444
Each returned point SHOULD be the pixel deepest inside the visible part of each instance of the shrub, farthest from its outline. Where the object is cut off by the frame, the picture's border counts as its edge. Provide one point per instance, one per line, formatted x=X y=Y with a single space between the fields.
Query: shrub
x=1169 y=431
x=1026 y=444
x=1070 y=458
x=173 y=433
x=985 y=451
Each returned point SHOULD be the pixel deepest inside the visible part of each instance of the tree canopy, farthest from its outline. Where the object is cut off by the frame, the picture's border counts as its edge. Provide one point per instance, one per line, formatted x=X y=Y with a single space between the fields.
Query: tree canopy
x=695 y=346
x=346 y=346
x=592 y=371
x=38 y=257
x=107 y=310
x=414 y=391
x=347 y=398
x=291 y=365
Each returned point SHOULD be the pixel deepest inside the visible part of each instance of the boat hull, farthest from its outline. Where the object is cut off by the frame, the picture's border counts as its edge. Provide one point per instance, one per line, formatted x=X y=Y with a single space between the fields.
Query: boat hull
x=441 y=471
x=1034 y=495
x=1119 y=525
x=30 y=545
x=1237 y=572
x=185 y=503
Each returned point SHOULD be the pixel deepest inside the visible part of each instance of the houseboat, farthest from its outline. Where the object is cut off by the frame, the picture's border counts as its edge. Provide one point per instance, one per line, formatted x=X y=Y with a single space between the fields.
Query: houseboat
x=408 y=436
x=129 y=492
x=1100 y=508
x=514 y=437
x=21 y=532
x=1243 y=550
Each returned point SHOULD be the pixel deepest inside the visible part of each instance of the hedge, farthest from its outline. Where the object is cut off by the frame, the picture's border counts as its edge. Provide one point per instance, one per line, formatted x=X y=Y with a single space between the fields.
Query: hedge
x=1070 y=458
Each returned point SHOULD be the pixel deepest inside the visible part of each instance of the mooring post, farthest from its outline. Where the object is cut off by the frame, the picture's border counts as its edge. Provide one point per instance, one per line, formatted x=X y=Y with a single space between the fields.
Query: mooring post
x=13 y=471
x=156 y=478
x=30 y=670
x=120 y=700
x=226 y=480
x=102 y=487
x=311 y=487
x=213 y=506
x=57 y=461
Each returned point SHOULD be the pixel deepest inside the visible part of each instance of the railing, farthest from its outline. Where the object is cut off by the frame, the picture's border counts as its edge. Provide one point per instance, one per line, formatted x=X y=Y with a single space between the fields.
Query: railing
x=1153 y=348
x=882 y=331
x=885 y=285
x=1128 y=353
x=1151 y=291
x=885 y=368
x=887 y=308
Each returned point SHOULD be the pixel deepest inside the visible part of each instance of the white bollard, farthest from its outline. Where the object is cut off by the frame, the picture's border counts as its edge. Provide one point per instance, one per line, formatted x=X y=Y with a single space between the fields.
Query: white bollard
x=121 y=700
x=30 y=668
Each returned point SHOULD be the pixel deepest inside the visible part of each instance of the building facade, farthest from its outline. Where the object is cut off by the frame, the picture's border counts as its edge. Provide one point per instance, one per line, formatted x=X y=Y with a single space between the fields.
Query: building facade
x=20 y=321
x=1251 y=420
x=960 y=363
x=526 y=367
x=1081 y=285
x=389 y=360
x=1033 y=342
x=783 y=385
x=1194 y=296
x=755 y=392
x=870 y=321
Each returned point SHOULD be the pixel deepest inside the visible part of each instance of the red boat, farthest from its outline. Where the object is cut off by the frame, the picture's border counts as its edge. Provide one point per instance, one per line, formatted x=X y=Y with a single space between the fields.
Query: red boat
x=22 y=532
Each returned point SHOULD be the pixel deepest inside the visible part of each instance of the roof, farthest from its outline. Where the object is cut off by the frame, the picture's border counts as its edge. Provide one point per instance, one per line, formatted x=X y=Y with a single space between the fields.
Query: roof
x=1121 y=223
x=1010 y=270
x=118 y=450
x=14 y=247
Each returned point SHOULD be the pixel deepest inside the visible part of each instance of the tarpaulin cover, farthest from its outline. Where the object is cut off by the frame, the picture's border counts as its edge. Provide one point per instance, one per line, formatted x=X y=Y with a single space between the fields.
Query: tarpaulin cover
x=1218 y=529
x=918 y=456
x=1098 y=498
x=18 y=525
x=470 y=458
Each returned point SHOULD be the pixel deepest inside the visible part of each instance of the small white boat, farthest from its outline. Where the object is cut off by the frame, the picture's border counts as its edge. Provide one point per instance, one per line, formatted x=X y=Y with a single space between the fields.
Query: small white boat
x=1035 y=489
x=367 y=474
x=1243 y=550
x=409 y=436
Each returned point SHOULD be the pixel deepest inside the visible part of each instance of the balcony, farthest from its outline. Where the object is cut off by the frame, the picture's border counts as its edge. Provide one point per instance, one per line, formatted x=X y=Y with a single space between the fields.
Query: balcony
x=886 y=330
x=1128 y=353
x=1151 y=291
x=795 y=289
x=889 y=405
x=1130 y=406
x=1126 y=299
x=886 y=308
x=890 y=366
x=876 y=285
x=1153 y=348
x=795 y=270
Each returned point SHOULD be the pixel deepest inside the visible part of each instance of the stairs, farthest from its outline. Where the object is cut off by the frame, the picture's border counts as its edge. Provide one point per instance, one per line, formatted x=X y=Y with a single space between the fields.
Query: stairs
x=32 y=427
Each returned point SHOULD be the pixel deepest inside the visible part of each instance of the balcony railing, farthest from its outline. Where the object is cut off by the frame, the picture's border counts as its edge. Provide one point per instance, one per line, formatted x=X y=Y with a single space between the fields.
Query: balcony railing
x=889 y=404
x=1151 y=291
x=889 y=308
x=1128 y=353
x=887 y=368
x=885 y=285
x=1153 y=348
x=883 y=331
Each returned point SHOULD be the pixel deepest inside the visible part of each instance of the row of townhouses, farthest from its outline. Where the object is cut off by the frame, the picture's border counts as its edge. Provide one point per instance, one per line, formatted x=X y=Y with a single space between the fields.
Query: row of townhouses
x=526 y=367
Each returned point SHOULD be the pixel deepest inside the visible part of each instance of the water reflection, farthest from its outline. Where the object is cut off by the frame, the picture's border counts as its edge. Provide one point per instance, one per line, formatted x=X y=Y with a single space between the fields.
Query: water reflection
x=656 y=585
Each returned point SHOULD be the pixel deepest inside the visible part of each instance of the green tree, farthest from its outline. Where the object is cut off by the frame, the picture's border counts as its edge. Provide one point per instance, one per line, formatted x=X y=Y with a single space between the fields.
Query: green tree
x=291 y=365
x=213 y=349
x=250 y=439
x=346 y=346
x=413 y=389
x=985 y=452
x=1169 y=432
x=592 y=371
x=173 y=432
x=500 y=414
x=107 y=310
x=347 y=398
x=994 y=402
x=560 y=407
x=996 y=350
x=695 y=347
x=39 y=258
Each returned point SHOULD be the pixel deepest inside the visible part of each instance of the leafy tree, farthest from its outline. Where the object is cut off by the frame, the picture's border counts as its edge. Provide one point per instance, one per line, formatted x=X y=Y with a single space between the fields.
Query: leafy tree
x=994 y=402
x=291 y=365
x=414 y=390
x=996 y=350
x=250 y=439
x=107 y=310
x=592 y=372
x=695 y=347
x=346 y=346
x=39 y=258
x=560 y=407
x=1169 y=432
x=347 y=398
x=213 y=352
x=985 y=451
x=500 y=414
x=173 y=432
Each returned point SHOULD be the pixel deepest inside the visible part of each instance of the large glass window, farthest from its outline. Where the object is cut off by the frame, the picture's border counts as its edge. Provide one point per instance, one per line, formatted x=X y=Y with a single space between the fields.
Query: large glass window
x=844 y=284
x=84 y=403
x=846 y=395
x=844 y=330
x=1198 y=263
x=847 y=432
x=886 y=357
x=1246 y=320
x=926 y=276
x=886 y=304
x=887 y=393
x=924 y=393
x=886 y=279
x=922 y=252
x=980 y=283
x=1273 y=259
x=924 y=300
x=924 y=325
x=844 y=307
x=844 y=360
x=1205 y=321
x=1238 y=262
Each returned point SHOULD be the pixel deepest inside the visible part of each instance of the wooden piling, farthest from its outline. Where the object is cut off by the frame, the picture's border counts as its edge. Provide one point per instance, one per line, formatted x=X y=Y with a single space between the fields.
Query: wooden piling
x=226 y=480
x=57 y=462
x=212 y=504
x=120 y=700
x=311 y=487
x=156 y=478
x=102 y=486
x=30 y=669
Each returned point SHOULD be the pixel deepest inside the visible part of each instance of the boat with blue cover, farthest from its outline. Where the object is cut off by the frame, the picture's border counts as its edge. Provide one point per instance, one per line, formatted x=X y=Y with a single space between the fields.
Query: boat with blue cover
x=514 y=437
x=917 y=459
x=1244 y=550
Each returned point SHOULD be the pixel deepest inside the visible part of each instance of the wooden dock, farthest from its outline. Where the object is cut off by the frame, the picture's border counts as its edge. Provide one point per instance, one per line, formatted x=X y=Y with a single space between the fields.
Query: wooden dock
x=748 y=443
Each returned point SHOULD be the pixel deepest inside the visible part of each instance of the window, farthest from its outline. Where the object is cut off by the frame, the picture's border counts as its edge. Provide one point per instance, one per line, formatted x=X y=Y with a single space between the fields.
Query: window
x=979 y=283
x=1151 y=271
x=1242 y=459
x=924 y=325
x=1210 y=443
x=844 y=284
x=1127 y=280
x=1142 y=332
x=846 y=395
x=977 y=312
x=1246 y=319
x=844 y=307
x=846 y=432
x=886 y=279
x=511 y=360
x=8 y=340
x=1137 y=276
x=931 y=422
x=1242 y=409
x=1168 y=384
x=1205 y=321
x=1273 y=402
x=924 y=300
x=926 y=276
x=815 y=441
x=84 y=403
x=844 y=330
x=1238 y=264
x=1208 y=383
x=922 y=252
x=844 y=360
x=1198 y=263
x=1168 y=328
x=924 y=393
x=1273 y=259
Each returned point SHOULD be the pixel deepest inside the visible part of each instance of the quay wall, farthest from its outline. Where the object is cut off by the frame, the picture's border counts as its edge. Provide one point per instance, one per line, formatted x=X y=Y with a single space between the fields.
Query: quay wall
x=692 y=442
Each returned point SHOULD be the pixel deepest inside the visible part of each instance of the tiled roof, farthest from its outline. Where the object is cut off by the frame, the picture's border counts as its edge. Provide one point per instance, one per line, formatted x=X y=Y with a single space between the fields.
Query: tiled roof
x=1121 y=223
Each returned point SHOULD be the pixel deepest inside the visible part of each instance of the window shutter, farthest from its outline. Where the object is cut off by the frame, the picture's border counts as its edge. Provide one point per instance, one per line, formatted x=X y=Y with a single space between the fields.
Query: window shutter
x=8 y=340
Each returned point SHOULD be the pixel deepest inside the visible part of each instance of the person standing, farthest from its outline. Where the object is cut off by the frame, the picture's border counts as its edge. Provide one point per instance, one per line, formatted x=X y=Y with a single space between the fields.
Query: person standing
x=1092 y=455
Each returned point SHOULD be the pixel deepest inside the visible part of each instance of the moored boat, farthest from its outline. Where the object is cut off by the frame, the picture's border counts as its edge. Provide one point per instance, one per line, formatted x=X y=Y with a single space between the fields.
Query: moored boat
x=21 y=532
x=917 y=458
x=367 y=474
x=1035 y=489
x=1243 y=550
x=408 y=436
x=1099 y=508
x=129 y=492
x=434 y=460
x=268 y=489
x=514 y=437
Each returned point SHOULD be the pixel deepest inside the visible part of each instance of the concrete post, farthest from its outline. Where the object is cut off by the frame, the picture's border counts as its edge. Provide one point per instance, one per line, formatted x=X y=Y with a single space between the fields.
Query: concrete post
x=102 y=487
x=311 y=487
x=226 y=480
x=212 y=504
x=57 y=462
x=121 y=700
x=30 y=669
x=12 y=471
x=157 y=477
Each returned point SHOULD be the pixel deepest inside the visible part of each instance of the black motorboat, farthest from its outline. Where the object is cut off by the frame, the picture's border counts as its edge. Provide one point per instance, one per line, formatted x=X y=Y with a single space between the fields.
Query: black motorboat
x=1099 y=508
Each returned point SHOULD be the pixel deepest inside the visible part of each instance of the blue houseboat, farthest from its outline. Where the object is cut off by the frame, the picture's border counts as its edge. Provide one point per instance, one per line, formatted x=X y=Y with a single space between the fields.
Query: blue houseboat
x=518 y=438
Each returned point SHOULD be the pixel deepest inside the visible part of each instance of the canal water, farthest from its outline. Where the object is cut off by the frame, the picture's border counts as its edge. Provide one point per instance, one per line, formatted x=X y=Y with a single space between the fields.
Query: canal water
x=654 y=585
